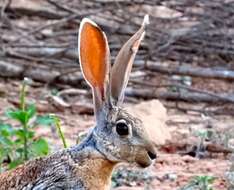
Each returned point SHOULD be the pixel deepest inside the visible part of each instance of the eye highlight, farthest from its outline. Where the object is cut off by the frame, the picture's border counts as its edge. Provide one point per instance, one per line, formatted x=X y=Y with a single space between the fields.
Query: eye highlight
x=122 y=128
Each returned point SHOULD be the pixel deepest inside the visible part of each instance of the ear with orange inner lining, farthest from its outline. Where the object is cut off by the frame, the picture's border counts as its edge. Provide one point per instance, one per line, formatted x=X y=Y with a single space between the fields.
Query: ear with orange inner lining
x=94 y=58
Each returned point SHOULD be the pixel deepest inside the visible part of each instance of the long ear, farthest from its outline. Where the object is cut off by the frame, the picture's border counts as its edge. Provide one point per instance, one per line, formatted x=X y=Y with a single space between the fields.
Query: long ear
x=123 y=63
x=94 y=57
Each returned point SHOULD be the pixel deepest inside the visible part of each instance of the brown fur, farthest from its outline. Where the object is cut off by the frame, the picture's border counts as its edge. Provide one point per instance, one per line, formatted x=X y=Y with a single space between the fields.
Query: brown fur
x=21 y=175
x=96 y=173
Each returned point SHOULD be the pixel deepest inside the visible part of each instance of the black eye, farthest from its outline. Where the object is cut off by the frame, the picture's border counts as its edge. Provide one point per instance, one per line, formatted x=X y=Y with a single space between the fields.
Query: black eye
x=122 y=128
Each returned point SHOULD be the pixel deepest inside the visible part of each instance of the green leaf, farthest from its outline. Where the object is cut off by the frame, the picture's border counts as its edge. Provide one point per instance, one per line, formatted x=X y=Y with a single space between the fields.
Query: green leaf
x=210 y=179
x=21 y=134
x=18 y=115
x=20 y=150
x=46 y=120
x=3 y=153
x=15 y=163
x=6 y=130
x=39 y=147
x=31 y=111
x=31 y=134
x=5 y=141
x=12 y=113
x=22 y=116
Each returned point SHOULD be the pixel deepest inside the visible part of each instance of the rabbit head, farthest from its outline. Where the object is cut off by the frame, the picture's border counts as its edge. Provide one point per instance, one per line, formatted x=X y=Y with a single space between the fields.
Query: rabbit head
x=119 y=136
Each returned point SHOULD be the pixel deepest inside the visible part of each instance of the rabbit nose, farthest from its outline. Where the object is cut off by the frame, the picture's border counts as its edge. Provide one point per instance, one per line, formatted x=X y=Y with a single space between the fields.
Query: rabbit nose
x=152 y=155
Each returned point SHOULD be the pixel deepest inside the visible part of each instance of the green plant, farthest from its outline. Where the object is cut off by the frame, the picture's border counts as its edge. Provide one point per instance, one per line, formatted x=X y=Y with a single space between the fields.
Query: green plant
x=19 y=143
x=52 y=119
x=58 y=126
x=202 y=182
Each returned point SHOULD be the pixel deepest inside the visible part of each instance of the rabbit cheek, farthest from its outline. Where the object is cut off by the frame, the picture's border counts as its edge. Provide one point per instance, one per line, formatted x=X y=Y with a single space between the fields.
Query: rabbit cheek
x=126 y=153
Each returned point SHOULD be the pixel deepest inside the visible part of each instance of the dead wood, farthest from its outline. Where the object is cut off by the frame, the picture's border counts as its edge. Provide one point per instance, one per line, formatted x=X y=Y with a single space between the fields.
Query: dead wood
x=31 y=11
x=74 y=78
x=39 y=40
x=66 y=52
x=181 y=96
x=191 y=71
x=41 y=74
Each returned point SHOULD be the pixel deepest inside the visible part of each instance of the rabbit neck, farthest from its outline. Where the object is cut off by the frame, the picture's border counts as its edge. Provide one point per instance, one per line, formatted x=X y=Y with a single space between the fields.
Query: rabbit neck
x=92 y=166
x=95 y=173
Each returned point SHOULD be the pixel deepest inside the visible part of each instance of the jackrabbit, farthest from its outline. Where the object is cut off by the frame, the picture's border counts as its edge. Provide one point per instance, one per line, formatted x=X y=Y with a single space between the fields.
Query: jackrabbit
x=117 y=137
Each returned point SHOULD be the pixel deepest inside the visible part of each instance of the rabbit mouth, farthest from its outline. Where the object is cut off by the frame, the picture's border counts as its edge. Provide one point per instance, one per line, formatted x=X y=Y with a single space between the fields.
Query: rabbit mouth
x=146 y=160
x=144 y=163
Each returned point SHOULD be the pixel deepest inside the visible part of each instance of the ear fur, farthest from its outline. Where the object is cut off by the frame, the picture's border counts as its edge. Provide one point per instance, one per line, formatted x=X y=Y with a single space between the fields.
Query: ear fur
x=94 y=58
x=123 y=64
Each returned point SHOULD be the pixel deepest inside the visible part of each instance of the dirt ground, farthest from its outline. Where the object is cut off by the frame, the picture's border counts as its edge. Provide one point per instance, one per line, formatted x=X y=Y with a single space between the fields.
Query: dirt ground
x=171 y=170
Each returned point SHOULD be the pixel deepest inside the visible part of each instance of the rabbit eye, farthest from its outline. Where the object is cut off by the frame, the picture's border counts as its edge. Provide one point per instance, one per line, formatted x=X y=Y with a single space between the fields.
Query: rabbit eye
x=122 y=128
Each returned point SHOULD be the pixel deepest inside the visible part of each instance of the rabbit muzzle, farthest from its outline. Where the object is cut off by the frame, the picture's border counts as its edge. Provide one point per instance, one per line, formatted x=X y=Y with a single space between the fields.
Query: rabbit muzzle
x=146 y=156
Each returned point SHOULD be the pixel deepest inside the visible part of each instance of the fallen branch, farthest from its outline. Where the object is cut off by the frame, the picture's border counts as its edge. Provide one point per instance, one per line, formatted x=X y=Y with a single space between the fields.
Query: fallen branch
x=190 y=71
x=188 y=88
x=41 y=74
x=39 y=11
x=186 y=96
x=73 y=78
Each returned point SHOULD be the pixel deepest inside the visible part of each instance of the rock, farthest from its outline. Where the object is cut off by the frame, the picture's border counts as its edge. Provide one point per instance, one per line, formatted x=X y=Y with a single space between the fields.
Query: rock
x=154 y=116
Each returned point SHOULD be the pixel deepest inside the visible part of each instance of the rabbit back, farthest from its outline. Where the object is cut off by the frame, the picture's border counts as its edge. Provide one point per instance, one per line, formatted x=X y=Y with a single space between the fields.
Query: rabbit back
x=59 y=171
